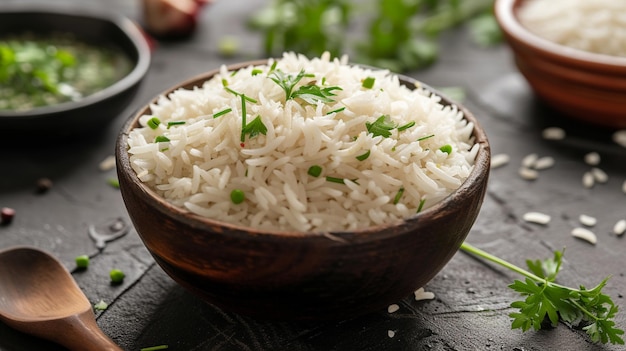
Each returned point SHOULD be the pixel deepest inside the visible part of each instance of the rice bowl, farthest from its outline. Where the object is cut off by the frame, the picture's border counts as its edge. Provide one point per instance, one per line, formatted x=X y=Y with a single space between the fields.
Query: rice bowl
x=382 y=152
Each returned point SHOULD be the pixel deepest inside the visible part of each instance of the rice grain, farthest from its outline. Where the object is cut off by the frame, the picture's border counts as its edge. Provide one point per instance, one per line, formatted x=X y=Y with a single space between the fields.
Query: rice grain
x=537 y=217
x=620 y=227
x=554 y=133
x=585 y=234
x=586 y=220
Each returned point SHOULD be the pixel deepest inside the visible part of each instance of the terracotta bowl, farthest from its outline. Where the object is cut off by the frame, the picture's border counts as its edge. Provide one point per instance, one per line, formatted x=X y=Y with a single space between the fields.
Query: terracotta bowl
x=583 y=85
x=300 y=275
x=91 y=113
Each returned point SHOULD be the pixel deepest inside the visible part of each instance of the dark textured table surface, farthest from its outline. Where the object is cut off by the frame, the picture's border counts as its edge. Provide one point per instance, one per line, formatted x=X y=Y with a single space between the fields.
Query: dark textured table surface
x=471 y=307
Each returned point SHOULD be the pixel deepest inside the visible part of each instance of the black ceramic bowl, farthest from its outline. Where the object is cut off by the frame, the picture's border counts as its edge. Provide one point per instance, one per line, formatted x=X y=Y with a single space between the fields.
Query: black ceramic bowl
x=94 y=111
x=300 y=275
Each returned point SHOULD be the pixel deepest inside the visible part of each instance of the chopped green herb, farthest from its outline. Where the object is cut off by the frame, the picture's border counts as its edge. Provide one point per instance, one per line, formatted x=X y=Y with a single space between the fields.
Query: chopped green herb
x=286 y=81
x=336 y=110
x=155 y=348
x=117 y=276
x=406 y=126
x=224 y=82
x=421 y=205
x=363 y=156
x=114 y=182
x=82 y=261
x=254 y=128
x=426 y=137
x=368 y=82
x=247 y=98
x=335 y=180
x=237 y=196
x=544 y=298
x=446 y=148
x=323 y=80
x=398 y=196
x=313 y=93
x=256 y=71
x=273 y=67
x=222 y=112
x=315 y=171
x=382 y=126
x=154 y=122
x=101 y=306
x=175 y=123
x=161 y=139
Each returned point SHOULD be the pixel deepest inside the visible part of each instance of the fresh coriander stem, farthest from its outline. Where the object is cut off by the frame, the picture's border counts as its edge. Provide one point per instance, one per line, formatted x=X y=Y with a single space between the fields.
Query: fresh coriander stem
x=478 y=252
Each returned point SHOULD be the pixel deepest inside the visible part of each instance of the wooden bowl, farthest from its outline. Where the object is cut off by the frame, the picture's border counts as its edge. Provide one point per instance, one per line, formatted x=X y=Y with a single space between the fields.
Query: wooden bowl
x=298 y=275
x=586 y=86
x=91 y=113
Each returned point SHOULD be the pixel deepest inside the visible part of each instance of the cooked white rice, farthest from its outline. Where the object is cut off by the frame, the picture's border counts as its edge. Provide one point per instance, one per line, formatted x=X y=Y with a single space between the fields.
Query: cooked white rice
x=205 y=158
x=597 y=26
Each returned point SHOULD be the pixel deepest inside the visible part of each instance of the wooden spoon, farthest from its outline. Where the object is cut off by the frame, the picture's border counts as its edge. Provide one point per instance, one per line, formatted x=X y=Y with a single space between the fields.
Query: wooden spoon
x=39 y=296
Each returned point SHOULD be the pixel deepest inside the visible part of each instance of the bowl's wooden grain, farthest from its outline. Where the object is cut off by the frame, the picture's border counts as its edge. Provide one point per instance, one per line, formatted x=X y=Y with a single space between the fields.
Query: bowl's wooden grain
x=298 y=275
x=583 y=85
x=91 y=113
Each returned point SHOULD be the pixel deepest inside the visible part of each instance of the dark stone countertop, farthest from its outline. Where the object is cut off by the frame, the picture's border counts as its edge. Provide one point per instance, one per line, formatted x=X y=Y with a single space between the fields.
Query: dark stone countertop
x=470 y=311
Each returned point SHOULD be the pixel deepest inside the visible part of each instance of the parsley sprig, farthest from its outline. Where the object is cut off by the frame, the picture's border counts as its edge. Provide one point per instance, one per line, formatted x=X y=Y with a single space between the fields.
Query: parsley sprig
x=310 y=93
x=546 y=299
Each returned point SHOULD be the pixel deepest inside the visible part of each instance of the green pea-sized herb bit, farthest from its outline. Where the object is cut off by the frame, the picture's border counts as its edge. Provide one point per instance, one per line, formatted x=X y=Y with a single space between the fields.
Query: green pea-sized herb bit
x=101 y=306
x=175 y=123
x=364 y=156
x=446 y=148
x=546 y=300
x=153 y=123
x=382 y=126
x=114 y=182
x=82 y=261
x=315 y=171
x=161 y=139
x=368 y=83
x=117 y=276
x=237 y=196
x=256 y=71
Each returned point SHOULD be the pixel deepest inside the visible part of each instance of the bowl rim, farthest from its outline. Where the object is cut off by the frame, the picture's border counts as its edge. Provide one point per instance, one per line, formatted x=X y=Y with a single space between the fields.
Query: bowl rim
x=505 y=12
x=480 y=169
x=126 y=26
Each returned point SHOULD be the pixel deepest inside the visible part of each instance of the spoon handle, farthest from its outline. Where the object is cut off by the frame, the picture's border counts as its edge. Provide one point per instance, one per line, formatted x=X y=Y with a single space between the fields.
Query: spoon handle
x=83 y=334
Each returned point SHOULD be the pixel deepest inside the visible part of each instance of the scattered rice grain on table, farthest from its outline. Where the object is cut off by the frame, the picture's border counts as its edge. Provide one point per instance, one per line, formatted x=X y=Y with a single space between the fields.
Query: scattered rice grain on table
x=529 y=160
x=203 y=160
x=537 y=217
x=393 y=308
x=499 y=160
x=599 y=175
x=587 y=220
x=553 y=133
x=620 y=227
x=528 y=173
x=619 y=137
x=588 y=180
x=420 y=294
x=585 y=234
x=544 y=162
x=592 y=158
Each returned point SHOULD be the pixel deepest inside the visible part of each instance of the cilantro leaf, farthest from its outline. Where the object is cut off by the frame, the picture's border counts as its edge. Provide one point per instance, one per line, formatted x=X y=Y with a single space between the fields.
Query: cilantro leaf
x=545 y=299
x=382 y=126
x=286 y=81
x=313 y=93
x=254 y=128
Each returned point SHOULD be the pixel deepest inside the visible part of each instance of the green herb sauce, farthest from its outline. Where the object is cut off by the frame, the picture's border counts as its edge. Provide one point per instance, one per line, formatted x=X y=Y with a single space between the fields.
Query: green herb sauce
x=42 y=70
